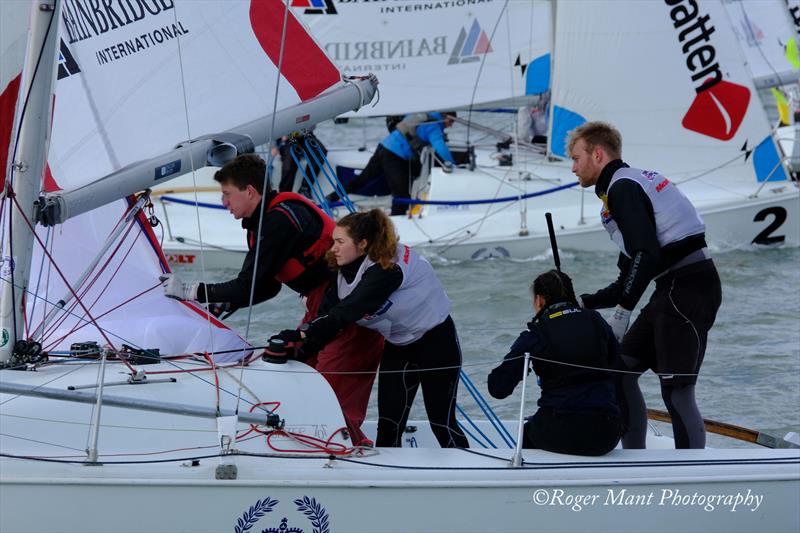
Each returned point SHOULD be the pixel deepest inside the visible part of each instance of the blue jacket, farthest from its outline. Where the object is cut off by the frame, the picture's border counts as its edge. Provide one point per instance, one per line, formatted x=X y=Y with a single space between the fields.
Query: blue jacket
x=429 y=132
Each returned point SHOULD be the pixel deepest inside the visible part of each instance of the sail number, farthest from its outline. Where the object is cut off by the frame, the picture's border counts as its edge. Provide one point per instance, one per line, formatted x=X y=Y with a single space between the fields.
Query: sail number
x=766 y=237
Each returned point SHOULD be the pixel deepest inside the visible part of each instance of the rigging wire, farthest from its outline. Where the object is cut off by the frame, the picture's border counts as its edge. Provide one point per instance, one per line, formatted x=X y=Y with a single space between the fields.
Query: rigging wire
x=203 y=273
x=480 y=69
x=265 y=184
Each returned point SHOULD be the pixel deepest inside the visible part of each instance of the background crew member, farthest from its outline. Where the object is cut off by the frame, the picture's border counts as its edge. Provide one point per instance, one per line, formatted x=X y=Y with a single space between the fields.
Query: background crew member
x=289 y=169
x=578 y=412
x=397 y=156
x=295 y=235
x=661 y=237
x=387 y=287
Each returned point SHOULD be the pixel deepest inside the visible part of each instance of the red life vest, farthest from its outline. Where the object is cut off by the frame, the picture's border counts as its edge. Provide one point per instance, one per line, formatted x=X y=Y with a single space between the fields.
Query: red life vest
x=294 y=267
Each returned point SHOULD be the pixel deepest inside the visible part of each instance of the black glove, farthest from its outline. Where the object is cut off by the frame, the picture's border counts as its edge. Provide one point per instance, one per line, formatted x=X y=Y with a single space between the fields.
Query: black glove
x=220 y=308
x=289 y=335
x=307 y=350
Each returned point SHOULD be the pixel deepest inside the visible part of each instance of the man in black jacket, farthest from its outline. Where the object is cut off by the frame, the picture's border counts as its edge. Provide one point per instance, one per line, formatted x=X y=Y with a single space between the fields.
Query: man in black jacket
x=661 y=237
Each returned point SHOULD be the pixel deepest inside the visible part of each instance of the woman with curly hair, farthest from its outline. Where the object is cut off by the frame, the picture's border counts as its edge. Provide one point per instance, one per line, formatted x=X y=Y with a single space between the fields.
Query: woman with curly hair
x=386 y=286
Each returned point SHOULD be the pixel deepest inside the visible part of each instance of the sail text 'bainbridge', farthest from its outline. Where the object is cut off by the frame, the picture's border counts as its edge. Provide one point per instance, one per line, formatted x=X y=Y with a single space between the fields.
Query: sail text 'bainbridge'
x=84 y=19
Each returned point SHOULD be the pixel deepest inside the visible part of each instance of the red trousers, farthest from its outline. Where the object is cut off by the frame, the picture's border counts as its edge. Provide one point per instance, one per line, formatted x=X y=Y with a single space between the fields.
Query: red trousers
x=354 y=349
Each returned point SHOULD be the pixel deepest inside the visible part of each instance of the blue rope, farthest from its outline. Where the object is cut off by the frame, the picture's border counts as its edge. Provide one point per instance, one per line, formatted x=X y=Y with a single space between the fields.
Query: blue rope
x=470 y=435
x=313 y=148
x=191 y=202
x=493 y=416
x=313 y=184
x=466 y=416
x=487 y=410
x=411 y=201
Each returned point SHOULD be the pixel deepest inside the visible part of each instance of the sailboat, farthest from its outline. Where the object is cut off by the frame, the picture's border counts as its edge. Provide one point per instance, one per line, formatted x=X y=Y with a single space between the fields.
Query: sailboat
x=122 y=410
x=713 y=140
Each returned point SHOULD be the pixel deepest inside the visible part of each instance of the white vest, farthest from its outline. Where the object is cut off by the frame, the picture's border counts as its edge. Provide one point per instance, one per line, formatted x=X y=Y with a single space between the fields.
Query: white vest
x=417 y=306
x=676 y=217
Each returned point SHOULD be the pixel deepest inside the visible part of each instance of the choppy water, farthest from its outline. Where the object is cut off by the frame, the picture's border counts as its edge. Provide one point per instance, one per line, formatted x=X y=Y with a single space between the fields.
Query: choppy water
x=751 y=373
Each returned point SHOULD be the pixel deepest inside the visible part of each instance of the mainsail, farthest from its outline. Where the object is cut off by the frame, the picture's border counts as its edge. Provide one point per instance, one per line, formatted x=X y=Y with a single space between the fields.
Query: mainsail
x=681 y=94
x=434 y=55
x=134 y=81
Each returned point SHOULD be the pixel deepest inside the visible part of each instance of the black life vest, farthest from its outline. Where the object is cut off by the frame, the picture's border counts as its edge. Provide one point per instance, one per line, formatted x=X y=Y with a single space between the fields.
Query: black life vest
x=575 y=336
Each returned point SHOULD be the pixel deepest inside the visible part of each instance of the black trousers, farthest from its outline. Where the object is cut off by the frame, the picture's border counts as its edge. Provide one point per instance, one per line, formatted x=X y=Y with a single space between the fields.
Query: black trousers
x=671 y=332
x=571 y=433
x=403 y=369
x=397 y=171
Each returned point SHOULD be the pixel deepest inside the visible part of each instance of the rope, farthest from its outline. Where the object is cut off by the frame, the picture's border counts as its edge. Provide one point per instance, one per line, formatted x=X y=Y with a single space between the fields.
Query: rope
x=312 y=147
x=313 y=184
x=487 y=410
x=466 y=416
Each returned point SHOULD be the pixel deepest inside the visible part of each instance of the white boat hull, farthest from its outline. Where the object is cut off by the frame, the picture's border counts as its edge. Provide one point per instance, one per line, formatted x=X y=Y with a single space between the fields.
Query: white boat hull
x=484 y=496
x=158 y=471
x=736 y=215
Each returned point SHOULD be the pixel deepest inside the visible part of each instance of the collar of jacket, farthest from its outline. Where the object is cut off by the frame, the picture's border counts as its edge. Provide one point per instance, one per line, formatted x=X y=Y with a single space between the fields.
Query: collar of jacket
x=601 y=187
x=251 y=222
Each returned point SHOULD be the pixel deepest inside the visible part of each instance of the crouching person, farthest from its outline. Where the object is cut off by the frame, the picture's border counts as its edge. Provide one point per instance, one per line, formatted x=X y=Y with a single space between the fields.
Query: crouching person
x=572 y=351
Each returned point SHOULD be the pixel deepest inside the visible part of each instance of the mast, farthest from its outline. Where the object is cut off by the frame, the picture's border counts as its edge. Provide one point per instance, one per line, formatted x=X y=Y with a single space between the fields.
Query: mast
x=27 y=169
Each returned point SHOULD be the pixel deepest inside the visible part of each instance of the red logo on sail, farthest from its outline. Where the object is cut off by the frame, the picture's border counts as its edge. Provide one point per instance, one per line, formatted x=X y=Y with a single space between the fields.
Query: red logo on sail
x=718 y=110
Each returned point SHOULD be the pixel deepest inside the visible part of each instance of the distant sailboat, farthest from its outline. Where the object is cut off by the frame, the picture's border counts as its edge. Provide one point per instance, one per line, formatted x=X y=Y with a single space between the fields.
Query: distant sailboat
x=649 y=77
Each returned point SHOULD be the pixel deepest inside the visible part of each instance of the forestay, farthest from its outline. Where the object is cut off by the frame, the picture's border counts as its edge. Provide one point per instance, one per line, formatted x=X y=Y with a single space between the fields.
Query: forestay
x=135 y=80
x=433 y=55
x=680 y=92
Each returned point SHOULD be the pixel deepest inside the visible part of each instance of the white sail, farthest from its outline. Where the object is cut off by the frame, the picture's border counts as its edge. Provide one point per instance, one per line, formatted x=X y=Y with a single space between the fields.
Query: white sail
x=134 y=81
x=680 y=93
x=765 y=30
x=437 y=55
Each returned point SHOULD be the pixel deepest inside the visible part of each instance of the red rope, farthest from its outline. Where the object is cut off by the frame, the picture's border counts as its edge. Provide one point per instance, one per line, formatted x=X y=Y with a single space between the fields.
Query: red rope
x=216 y=376
x=316 y=445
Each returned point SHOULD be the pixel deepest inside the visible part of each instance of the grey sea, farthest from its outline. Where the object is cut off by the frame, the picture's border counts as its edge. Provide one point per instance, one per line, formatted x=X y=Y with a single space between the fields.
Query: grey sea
x=751 y=373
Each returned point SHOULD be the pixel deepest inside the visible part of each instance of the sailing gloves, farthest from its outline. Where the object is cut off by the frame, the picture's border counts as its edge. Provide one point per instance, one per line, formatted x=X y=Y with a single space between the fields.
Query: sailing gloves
x=619 y=322
x=289 y=335
x=306 y=347
x=176 y=288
